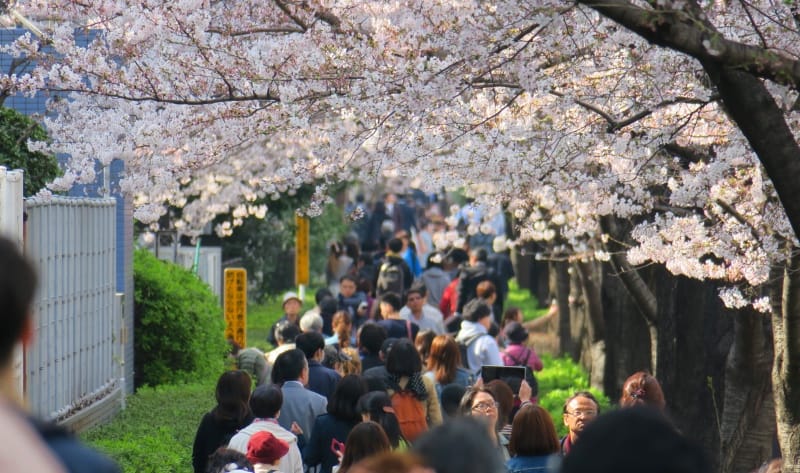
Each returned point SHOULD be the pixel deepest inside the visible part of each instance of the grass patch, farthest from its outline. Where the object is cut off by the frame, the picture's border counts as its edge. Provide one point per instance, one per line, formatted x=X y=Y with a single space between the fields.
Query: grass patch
x=523 y=299
x=156 y=431
x=260 y=318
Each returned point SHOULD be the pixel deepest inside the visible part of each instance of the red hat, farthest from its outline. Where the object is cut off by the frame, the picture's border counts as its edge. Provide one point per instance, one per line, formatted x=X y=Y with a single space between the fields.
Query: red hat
x=264 y=447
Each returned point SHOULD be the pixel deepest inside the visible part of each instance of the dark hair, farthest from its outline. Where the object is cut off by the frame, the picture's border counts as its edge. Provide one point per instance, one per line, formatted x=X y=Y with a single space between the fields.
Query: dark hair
x=510 y=315
x=17 y=288
x=233 y=393
x=328 y=306
x=423 y=343
x=417 y=288
x=479 y=254
x=378 y=405
x=309 y=343
x=457 y=256
x=395 y=245
x=403 y=359
x=533 y=433
x=321 y=294
x=641 y=388
x=266 y=401
x=431 y=261
x=349 y=277
x=344 y=400
x=371 y=337
x=485 y=289
x=476 y=309
x=444 y=359
x=578 y=394
x=469 y=397
x=393 y=300
x=224 y=456
x=504 y=396
x=289 y=366
x=461 y=445
x=286 y=331
x=365 y=440
x=451 y=399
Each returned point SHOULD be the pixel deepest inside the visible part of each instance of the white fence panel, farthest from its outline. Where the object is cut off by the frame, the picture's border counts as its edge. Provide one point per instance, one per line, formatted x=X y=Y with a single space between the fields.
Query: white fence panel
x=74 y=361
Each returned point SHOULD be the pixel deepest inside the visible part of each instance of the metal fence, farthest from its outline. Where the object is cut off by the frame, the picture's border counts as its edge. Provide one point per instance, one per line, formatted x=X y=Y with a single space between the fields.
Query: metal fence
x=75 y=365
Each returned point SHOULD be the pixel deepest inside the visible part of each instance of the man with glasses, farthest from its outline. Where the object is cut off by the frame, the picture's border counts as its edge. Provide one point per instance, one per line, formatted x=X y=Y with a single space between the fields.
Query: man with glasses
x=579 y=410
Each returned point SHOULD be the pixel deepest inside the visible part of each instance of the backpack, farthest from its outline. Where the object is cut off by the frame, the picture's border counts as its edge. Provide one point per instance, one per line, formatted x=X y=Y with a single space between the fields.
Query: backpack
x=390 y=279
x=410 y=414
x=463 y=347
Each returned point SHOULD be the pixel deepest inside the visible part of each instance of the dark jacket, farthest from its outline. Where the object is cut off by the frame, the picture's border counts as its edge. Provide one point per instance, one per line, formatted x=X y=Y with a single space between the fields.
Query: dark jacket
x=212 y=434
x=408 y=277
x=370 y=361
x=75 y=456
x=317 y=449
x=322 y=380
x=468 y=279
x=399 y=328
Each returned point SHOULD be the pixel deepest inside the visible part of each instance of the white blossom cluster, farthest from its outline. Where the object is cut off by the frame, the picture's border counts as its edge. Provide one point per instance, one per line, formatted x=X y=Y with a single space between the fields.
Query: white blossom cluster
x=544 y=106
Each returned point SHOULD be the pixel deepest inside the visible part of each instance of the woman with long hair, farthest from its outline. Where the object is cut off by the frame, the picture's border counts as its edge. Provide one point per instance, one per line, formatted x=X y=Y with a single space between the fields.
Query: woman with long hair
x=365 y=440
x=444 y=364
x=377 y=407
x=231 y=413
x=343 y=414
x=342 y=326
x=533 y=440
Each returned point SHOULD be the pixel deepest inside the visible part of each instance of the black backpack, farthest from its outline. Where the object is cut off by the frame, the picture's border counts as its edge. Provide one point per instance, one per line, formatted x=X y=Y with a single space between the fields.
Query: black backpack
x=390 y=279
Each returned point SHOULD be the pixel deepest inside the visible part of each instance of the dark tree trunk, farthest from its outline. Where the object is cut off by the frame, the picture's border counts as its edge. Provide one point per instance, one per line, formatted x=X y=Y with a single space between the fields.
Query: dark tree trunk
x=590 y=277
x=562 y=296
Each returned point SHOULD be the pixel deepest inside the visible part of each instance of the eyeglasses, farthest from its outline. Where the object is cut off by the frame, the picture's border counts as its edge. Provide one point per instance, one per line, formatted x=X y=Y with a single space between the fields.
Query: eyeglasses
x=485 y=407
x=582 y=414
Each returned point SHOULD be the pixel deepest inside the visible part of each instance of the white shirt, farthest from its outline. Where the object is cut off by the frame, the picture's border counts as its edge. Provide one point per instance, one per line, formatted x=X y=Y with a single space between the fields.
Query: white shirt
x=431 y=319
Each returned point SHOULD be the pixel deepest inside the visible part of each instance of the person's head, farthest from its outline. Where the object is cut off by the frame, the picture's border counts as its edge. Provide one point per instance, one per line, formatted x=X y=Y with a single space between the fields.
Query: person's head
x=350 y=362
x=17 y=288
x=515 y=333
x=321 y=294
x=394 y=245
x=641 y=388
x=266 y=401
x=311 y=322
x=328 y=306
x=265 y=448
x=533 y=433
x=291 y=304
x=342 y=326
x=390 y=304
x=228 y=460
x=504 y=395
x=479 y=402
x=344 y=400
x=391 y=462
x=477 y=255
x=451 y=399
x=370 y=338
x=579 y=410
x=478 y=311
x=628 y=440
x=461 y=445
x=311 y=344
x=233 y=394
x=347 y=285
x=444 y=359
x=487 y=291
x=512 y=314
x=415 y=298
x=423 y=343
x=365 y=440
x=377 y=407
x=290 y=365
x=286 y=332
x=457 y=257
x=403 y=359
x=435 y=260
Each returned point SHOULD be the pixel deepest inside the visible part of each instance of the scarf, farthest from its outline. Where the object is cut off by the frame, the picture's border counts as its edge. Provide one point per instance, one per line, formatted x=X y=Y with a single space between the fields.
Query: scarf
x=415 y=385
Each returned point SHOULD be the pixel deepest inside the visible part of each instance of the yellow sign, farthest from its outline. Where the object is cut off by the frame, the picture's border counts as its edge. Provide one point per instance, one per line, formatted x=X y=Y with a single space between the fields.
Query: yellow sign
x=236 y=305
x=301 y=263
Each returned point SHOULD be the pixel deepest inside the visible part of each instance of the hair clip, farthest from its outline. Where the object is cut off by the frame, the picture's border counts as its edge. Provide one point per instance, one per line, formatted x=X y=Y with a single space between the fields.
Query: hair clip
x=388 y=409
x=638 y=394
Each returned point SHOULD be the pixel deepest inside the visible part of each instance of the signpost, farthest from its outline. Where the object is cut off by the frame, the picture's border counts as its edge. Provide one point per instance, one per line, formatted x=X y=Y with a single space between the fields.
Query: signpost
x=301 y=255
x=235 y=305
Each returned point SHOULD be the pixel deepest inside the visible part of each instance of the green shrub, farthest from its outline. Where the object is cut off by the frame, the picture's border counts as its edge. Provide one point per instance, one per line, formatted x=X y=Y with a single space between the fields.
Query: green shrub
x=560 y=379
x=156 y=431
x=178 y=324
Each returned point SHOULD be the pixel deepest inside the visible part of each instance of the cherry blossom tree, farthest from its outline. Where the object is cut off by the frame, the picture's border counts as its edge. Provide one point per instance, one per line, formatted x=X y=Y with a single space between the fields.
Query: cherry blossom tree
x=679 y=117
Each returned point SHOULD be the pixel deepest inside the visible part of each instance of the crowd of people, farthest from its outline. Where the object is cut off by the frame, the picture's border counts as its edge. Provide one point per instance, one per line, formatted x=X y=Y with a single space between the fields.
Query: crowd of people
x=388 y=373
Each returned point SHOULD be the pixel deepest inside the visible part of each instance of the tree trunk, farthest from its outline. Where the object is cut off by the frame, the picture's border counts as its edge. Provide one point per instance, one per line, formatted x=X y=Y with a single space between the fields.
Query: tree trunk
x=747 y=424
x=786 y=365
x=562 y=296
x=591 y=281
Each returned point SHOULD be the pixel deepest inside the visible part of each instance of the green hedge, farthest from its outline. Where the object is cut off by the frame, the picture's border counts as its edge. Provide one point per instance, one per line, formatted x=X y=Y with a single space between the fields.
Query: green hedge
x=178 y=324
x=154 y=434
x=559 y=379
